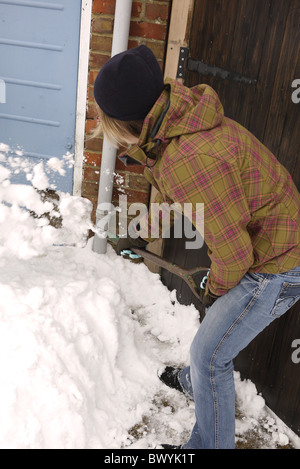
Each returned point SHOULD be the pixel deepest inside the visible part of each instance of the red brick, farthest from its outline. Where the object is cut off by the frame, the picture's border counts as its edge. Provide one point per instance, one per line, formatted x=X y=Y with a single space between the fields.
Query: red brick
x=90 y=125
x=97 y=60
x=92 y=158
x=89 y=189
x=102 y=43
x=92 y=111
x=92 y=174
x=148 y=30
x=91 y=93
x=106 y=7
x=132 y=196
x=157 y=48
x=92 y=77
x=136 y=9
x=157 y=11
x=94 y=145
x=102 y=25
x=133 y=43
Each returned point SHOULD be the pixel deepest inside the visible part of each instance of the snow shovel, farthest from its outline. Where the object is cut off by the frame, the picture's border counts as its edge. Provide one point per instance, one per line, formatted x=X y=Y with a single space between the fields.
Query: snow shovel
x=190 y=276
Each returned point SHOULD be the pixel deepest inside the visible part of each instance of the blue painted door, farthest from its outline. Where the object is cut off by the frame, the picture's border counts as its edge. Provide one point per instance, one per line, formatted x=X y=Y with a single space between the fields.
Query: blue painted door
x=39 y=48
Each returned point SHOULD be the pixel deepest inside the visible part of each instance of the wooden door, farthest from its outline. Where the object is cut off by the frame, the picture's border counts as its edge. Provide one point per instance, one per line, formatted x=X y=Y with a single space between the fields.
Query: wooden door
x=258 y=40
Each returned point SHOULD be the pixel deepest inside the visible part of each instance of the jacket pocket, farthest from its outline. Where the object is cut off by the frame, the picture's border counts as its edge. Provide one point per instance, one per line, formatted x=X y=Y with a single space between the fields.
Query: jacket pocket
x=288 y=296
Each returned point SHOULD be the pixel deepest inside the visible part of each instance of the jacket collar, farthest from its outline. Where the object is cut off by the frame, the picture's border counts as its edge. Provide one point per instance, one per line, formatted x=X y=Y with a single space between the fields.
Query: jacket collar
x=146 y=151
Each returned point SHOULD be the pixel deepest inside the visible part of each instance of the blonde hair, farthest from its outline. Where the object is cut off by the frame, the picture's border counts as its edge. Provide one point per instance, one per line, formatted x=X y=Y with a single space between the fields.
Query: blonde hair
x=115 y=130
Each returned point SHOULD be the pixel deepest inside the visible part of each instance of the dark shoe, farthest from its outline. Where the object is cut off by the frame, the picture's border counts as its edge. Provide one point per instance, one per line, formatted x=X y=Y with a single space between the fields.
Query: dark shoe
x=171 y=447
x=170 y=377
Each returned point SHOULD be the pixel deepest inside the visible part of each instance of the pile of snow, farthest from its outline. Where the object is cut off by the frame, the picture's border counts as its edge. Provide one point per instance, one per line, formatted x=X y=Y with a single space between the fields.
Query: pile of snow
x=78 y=368
x=257 y=421
x=83 y=336
x=25 y=235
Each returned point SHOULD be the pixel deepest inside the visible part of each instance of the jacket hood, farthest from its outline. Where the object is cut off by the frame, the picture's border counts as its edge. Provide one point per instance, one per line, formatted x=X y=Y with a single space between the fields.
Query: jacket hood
x=191 y=110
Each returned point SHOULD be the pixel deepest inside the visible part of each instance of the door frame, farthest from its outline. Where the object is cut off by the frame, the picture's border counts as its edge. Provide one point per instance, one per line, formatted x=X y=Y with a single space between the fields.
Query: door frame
x=82 y=86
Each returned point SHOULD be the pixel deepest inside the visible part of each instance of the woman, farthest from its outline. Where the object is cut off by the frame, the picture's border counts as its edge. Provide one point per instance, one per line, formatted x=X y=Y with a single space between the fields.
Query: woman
x=193 y=154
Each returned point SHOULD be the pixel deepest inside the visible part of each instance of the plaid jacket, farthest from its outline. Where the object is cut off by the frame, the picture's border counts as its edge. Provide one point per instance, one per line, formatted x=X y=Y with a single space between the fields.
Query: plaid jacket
x=251 y=205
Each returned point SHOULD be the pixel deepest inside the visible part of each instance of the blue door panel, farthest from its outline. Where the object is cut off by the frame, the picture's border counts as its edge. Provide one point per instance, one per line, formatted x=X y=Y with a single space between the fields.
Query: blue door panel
x=39 y=47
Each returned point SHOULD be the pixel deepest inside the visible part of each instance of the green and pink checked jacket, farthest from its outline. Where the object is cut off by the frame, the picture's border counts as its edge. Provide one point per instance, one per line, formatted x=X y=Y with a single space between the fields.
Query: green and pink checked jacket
x=251 y=205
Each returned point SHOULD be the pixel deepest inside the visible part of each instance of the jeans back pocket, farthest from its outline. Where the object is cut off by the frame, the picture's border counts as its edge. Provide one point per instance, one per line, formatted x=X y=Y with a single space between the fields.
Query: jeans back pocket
x=288 y=296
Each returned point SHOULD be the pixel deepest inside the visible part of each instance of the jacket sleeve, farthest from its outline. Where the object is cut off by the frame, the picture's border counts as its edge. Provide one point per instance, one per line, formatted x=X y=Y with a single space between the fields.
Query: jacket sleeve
x=202 y=179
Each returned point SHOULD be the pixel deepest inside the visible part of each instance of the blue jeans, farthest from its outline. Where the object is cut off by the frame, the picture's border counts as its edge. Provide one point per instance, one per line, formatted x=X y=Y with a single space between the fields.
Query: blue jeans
x=228 y=327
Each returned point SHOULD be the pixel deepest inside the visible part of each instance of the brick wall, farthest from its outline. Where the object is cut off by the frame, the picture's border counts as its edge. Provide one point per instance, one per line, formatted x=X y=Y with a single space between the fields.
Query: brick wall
x=149 y=26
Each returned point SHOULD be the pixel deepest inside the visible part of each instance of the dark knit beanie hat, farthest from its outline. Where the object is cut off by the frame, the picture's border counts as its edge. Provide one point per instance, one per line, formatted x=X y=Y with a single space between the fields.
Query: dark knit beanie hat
x=128 y=84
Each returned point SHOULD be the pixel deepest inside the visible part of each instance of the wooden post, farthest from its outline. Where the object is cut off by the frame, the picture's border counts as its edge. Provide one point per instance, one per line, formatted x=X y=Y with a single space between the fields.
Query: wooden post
x=179 y=36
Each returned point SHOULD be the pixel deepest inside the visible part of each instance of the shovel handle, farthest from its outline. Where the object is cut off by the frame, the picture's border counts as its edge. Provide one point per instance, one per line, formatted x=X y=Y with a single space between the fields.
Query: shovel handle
x=170 y=266
x=186 y=275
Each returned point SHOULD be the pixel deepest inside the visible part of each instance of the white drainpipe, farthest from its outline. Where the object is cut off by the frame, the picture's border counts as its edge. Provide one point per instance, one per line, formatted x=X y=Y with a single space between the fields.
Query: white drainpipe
x=109 y=153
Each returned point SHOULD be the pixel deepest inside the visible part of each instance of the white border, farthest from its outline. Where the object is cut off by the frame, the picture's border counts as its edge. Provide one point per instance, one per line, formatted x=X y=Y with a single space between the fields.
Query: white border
x=82 y=87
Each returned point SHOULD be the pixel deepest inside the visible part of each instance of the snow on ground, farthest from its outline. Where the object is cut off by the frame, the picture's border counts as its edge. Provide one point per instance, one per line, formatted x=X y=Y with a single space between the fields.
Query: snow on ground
x=83 y=336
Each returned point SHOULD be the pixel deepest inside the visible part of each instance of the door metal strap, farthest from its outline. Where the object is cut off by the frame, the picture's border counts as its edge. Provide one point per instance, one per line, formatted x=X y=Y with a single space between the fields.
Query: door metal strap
x=186 y=63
